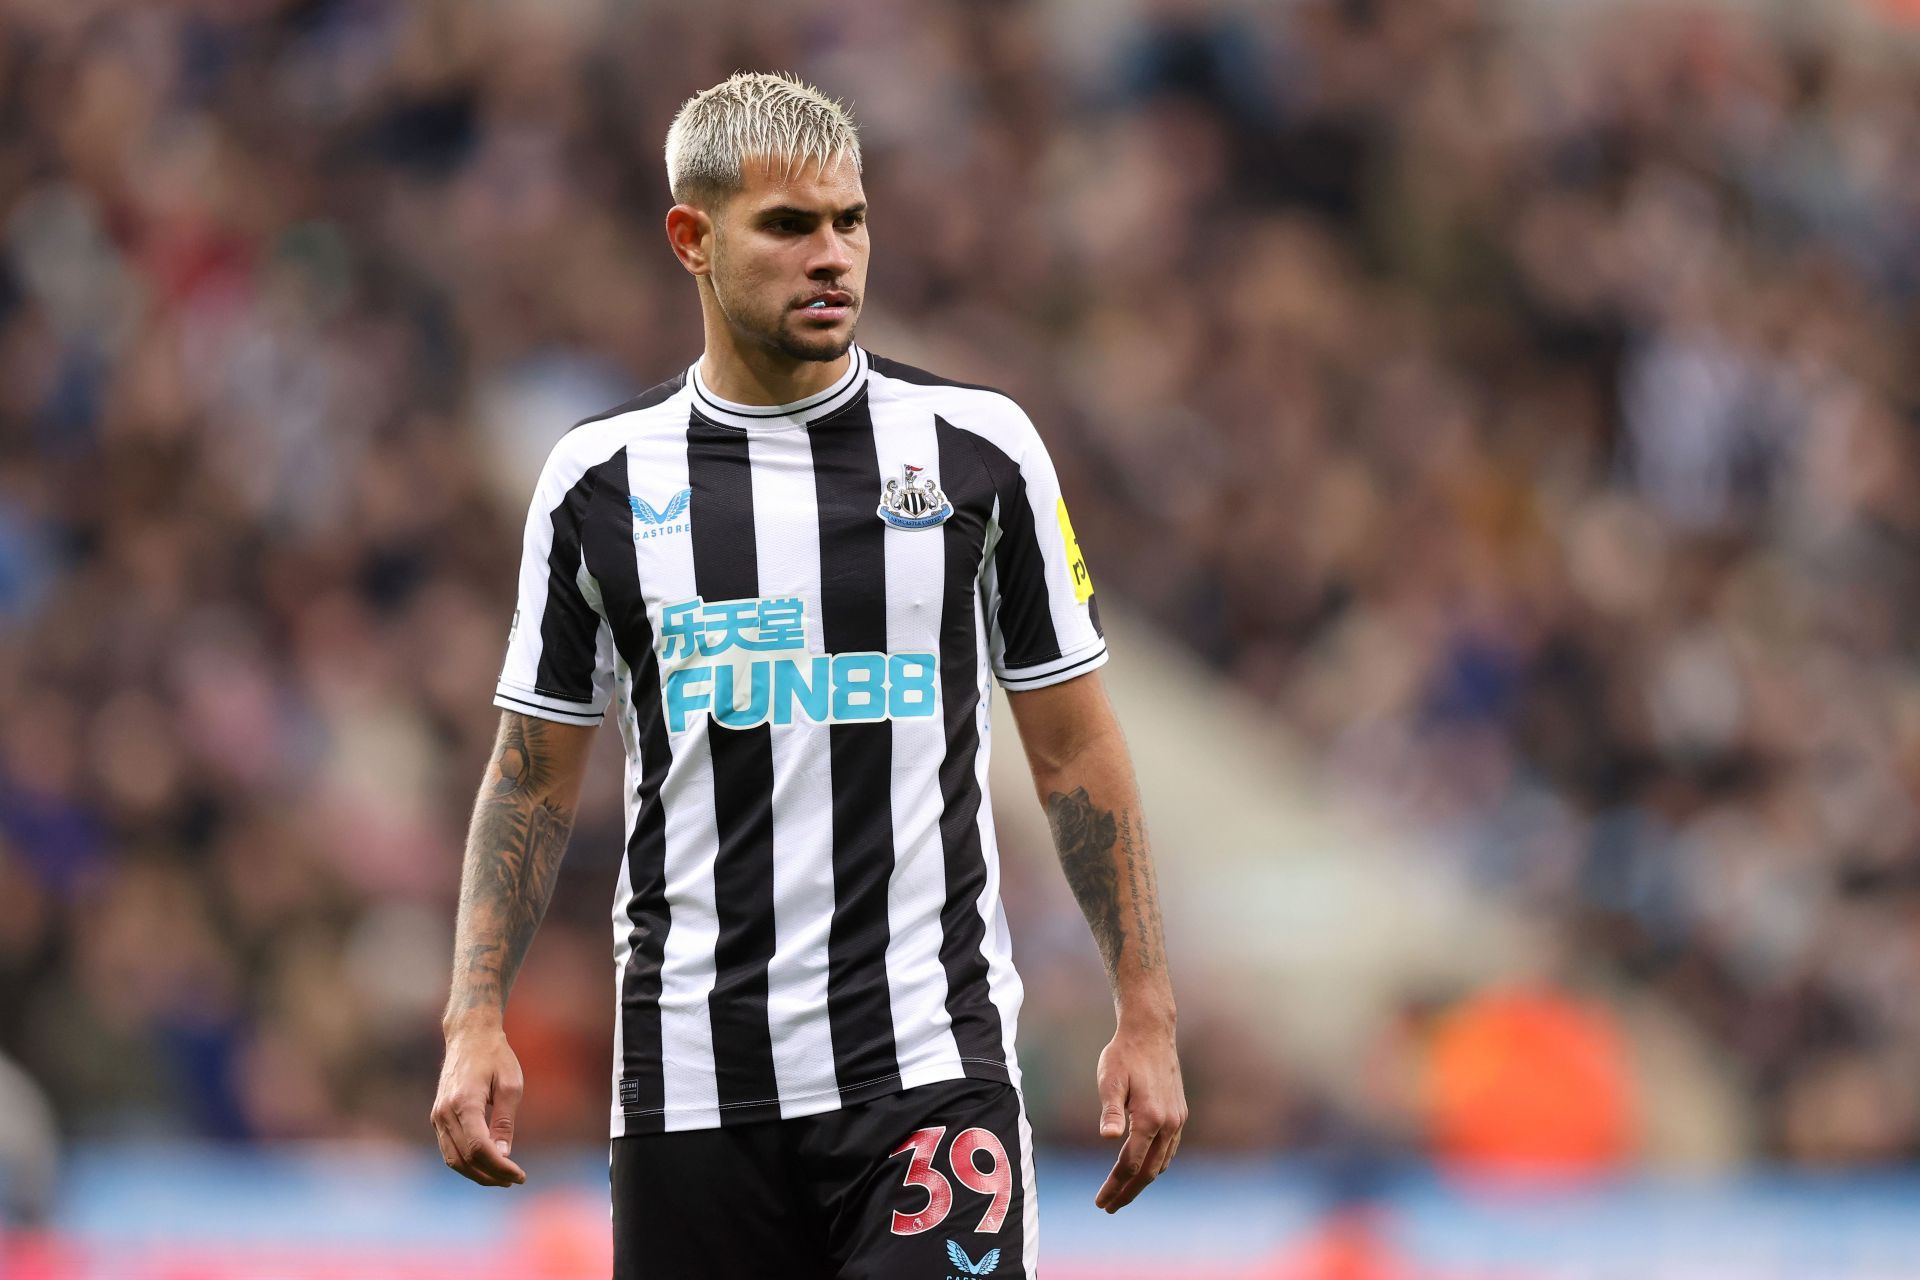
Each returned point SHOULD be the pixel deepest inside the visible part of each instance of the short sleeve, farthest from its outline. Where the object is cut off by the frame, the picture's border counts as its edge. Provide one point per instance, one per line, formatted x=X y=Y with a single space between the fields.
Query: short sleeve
x=1045 y=624
x=559 y=663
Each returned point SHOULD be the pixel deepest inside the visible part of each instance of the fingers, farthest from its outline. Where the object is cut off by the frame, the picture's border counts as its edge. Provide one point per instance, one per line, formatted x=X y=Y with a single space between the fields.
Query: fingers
x=1173 y=1149
x=506 y=1102
x=468 y=1148
x=1137 y=1165
x=1113 y=1121
x=1113 y=1103
x=447 y=1155
x=1153 y=1138
x=481 y=1155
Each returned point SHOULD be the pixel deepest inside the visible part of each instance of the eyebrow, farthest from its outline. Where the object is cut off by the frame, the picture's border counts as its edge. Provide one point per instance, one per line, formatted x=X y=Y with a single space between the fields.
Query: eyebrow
x=794 y=211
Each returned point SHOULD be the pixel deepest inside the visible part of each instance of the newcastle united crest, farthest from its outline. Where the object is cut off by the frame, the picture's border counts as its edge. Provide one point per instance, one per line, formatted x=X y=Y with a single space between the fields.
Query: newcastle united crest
x=914 y=501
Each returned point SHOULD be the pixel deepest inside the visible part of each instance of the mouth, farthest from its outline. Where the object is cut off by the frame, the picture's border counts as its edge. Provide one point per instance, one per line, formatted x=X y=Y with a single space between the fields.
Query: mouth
x=832 y=306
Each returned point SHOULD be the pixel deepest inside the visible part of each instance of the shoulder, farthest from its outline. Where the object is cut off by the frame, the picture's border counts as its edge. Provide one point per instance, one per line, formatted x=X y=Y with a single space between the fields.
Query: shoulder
x=659 y=397
x=593 y=440
x=987 y=413
x=913 y=376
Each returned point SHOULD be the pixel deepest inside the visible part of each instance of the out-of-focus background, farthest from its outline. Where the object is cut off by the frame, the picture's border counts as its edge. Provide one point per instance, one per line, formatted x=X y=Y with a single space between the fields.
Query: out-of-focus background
x=1492 y=427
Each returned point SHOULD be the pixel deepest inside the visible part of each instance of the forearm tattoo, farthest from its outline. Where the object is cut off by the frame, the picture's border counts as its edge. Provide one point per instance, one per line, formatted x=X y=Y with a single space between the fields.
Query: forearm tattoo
x=1144 y=892
x=1083 y=834
x=1087 y=838
x=513 y=858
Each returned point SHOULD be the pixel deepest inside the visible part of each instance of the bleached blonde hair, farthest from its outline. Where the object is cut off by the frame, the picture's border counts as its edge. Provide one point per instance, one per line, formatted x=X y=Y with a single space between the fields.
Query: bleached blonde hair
x=754 y=114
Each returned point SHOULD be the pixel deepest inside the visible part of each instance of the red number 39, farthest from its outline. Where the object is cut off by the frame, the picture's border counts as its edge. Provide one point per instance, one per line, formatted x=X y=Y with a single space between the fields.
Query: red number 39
x=996 y=1180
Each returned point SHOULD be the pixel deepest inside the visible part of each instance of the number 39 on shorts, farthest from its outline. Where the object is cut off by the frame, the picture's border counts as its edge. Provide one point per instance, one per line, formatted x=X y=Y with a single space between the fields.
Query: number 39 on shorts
x=964 y=1157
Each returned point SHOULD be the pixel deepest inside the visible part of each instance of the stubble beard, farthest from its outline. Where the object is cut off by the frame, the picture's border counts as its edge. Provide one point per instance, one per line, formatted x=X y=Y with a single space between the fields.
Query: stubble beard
x=796 y=345
x=778 y=332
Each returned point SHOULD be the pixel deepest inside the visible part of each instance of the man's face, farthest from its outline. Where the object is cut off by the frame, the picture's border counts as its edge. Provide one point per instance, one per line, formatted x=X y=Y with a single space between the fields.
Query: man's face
x=790 y=258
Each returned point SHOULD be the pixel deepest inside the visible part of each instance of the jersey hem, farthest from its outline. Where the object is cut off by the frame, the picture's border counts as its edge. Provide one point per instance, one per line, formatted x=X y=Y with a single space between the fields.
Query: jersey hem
x=657 y=1118
x=531 y=702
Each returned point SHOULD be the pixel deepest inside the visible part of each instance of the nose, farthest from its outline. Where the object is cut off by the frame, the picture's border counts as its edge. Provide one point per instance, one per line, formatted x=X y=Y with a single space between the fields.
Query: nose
x=832 y=258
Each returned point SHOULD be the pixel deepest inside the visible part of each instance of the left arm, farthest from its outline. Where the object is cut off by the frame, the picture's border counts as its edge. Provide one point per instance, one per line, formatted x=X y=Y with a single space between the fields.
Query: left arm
x=1085 y=780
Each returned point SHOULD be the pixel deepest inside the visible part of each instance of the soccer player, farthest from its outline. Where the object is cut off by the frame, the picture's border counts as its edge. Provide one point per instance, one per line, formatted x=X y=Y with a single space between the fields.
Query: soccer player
x=789 y=573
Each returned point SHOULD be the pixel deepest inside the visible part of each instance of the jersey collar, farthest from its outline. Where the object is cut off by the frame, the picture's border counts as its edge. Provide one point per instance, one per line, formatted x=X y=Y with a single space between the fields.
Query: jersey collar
x=762 y=417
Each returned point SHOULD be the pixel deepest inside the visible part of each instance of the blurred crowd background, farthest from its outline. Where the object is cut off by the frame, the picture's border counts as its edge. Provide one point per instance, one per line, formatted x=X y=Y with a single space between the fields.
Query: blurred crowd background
x=1516 y=403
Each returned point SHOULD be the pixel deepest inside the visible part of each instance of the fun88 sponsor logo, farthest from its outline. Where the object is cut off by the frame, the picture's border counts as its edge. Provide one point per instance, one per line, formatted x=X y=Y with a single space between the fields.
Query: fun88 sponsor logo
x=745 y=663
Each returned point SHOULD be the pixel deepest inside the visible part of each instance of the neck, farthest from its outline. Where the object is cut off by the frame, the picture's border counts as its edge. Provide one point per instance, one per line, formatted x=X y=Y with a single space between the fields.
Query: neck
x=749 y=373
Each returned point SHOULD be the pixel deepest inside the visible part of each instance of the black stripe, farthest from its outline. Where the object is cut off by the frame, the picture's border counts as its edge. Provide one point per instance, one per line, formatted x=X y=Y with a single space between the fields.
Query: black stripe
x=569 y=628
x=652 y=396
x=1025 y=618
x=969 y=486
x=726 y=567
x=608 y=541
x=853 y=607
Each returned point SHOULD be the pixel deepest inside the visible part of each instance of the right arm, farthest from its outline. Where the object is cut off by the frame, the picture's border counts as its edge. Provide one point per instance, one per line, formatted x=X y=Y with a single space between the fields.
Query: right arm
x=521 y=821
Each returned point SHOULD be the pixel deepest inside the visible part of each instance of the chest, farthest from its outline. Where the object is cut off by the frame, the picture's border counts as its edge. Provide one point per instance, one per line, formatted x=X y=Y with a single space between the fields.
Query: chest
x=860 y=534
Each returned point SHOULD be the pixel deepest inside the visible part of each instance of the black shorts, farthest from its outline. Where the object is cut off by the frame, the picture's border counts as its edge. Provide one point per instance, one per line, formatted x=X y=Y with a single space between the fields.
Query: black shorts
x=929 y=1183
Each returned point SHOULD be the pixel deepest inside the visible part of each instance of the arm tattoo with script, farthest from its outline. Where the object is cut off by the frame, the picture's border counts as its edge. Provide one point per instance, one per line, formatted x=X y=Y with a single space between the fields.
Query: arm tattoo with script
x=1083 y=833
x=1144 y=893
x=1087 y=838
x=513 y=858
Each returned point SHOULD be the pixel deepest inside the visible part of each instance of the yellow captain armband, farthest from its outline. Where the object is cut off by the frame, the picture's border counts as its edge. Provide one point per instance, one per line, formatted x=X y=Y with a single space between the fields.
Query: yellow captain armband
x=1076 y=563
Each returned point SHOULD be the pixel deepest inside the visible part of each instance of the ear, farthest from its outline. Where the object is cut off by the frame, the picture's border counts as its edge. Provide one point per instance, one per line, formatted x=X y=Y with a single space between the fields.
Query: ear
x=690 y=232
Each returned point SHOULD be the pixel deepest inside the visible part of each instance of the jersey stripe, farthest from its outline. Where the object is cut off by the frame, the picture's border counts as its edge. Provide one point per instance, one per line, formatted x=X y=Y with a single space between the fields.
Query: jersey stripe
x=568 y=624
x=608 y=541
x=687 y=961
x=915 y=585
x=1030 y=1198
x=853 y=607
x=726 y=567
x=1026 y=616
x=802 y=800
x=562 y=669
x=976 y=1021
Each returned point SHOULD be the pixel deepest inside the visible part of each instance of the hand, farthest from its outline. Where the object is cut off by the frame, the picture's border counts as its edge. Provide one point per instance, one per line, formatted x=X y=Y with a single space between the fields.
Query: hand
x=480 y=1088
x=1142 y=1102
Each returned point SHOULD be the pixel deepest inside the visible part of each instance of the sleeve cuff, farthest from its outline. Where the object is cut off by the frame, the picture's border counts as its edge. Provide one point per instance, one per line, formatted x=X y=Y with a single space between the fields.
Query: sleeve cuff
x=531 y=702
x=1039 y=675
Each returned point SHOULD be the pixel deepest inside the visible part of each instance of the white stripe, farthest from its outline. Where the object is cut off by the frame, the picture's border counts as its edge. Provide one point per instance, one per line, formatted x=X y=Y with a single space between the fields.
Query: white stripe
x=993 y=642
x=787 y=547
x=1030 y=1220
x=916 y=592
x=623 y=889
x=1076 y=662
x=1003 y=981
x=687 y=966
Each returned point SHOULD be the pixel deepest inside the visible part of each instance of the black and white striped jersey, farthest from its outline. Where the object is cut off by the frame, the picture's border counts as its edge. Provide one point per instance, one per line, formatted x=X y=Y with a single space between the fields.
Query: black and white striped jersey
x=794 y=614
